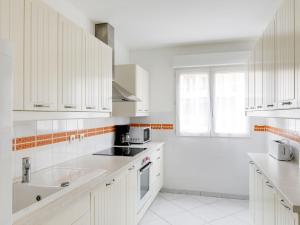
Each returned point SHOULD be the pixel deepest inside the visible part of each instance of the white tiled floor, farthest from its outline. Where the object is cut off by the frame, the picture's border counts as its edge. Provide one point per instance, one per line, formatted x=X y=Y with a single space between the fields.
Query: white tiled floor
x=177 y=209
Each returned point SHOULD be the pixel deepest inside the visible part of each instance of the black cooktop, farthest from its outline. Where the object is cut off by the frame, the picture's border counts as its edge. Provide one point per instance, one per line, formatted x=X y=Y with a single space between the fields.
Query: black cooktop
x=121 y=151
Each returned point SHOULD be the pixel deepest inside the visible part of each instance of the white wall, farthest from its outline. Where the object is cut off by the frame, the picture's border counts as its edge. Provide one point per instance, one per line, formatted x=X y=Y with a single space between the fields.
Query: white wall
x=217 y=165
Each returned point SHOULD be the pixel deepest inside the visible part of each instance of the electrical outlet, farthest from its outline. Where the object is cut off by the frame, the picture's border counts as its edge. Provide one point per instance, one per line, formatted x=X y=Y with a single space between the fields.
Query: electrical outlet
x=81 y=137
x=72 y=138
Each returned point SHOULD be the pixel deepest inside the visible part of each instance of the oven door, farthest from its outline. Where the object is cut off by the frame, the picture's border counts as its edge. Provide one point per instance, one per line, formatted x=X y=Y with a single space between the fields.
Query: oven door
x=144 y=185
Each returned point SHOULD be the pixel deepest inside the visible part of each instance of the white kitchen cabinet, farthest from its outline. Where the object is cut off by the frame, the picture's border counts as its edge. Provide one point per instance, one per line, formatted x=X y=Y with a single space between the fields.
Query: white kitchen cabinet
x=252 y=171
x=131 y=195
x=105 y=80
x=284 y=214
x=269 y=203
x=40 y=57
x=258 y=73
x=258 y=198
x=4 y=19
x=77 y=213
x=251 y=82
x=136 y=80
x=156 y=172
x=92 y=74
x=71 y=57
x=269 y=100
x=285 y=55
x=12 y=28
x=109 y=202
x=297 y=49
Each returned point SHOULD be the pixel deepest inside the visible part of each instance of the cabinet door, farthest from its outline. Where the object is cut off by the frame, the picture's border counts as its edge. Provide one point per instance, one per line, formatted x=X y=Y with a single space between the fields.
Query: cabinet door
x=131 y=196
x=284 y=214
x=251 y=82
x=71 y=62
x=258 y=205
x=4 y=19
x=146 y=92
x=297 y=48
x=142 y=90
x=252 y=192
x=269 y=68
x=269 y=204
x=40 y=78
x=285 y=45
x=106 y=79
x=17 y=37
x=108 y=205
x=258 y=75
x=91 y=76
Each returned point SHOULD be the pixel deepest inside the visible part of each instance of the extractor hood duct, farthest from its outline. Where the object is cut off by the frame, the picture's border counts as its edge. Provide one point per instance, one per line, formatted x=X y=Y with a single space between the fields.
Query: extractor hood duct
x=105 y=32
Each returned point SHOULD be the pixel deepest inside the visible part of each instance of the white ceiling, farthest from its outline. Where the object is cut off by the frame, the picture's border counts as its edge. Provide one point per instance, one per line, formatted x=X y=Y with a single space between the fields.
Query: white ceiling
x=157 y=23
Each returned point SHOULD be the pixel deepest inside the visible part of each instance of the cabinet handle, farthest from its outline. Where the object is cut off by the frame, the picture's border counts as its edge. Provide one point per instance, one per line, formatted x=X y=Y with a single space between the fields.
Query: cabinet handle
x=286 y=103
x=90 y=107
x=105 y=108
x=269 y=185
x=252 y=107
x=41 y=106
x=259 y=107
x=251 y=162
x=131 y=168
x=70 y=107
x=258 y=171
x=270 y=106
x=108 y=184
x=284 y=204
x=158 y=175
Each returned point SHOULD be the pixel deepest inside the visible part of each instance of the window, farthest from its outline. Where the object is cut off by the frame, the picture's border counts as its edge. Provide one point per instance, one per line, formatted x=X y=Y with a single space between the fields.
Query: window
x=211 y=102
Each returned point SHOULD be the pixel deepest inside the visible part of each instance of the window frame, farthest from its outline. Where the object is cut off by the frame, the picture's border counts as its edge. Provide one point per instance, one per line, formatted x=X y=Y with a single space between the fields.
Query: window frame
x=211 y=76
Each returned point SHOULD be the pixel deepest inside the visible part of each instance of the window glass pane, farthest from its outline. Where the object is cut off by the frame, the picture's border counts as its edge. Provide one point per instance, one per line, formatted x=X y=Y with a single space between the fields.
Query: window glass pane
x=229 y=103
x=193 y=103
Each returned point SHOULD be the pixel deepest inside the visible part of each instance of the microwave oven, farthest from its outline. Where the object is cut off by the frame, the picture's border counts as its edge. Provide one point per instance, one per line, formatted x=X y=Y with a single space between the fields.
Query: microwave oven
x=139 y=135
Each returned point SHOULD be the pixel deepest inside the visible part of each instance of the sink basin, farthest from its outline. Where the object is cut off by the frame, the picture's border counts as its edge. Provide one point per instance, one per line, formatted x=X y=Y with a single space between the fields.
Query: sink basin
x=25 y=195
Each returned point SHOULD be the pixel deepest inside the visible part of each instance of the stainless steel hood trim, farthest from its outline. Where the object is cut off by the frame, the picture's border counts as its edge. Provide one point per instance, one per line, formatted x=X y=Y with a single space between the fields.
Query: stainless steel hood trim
x=120 y=94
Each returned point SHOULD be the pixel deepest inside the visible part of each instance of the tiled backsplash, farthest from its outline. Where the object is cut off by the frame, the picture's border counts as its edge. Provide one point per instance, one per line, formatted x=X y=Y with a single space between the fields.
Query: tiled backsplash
x=46 y=142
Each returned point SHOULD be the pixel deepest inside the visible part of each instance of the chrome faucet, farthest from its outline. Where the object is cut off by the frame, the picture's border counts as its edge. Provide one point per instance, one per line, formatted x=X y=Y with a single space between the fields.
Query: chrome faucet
x=26 y=170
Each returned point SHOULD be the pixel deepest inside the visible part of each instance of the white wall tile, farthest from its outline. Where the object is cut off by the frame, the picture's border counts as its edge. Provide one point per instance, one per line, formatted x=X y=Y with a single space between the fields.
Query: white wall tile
x=59 y=125
x=72 y=125
x=44 y=127
x=24 y=128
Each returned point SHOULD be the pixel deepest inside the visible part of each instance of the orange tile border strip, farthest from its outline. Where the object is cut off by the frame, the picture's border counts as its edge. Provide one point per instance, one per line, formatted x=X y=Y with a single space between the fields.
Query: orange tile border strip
x=154 y=126
x=23 y=143
x=278 y=131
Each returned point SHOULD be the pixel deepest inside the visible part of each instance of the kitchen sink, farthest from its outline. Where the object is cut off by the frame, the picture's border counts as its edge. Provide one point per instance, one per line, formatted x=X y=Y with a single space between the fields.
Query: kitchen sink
x=25 y=195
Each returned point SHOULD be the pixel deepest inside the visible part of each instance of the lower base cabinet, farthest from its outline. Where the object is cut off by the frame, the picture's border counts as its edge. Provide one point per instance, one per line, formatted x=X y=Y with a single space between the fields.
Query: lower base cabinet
x=78 y=213
x=267 y=206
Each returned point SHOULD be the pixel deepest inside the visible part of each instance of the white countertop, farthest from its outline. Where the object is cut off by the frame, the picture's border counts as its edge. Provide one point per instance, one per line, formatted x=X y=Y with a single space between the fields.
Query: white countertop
x=285 y=177
x=111 y=164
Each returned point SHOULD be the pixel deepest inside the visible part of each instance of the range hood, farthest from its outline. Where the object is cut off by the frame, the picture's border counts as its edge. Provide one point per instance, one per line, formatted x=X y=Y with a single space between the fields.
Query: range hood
x=105 y=32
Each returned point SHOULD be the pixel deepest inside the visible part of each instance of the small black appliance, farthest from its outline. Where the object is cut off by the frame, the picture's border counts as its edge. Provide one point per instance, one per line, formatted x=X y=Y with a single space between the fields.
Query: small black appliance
x=122 y=137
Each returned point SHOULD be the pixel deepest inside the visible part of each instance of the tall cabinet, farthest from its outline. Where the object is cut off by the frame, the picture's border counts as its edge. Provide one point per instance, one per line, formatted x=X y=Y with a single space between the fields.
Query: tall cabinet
x=269 y=98
x=284 y=55
x=40 y=61
x=71 y=69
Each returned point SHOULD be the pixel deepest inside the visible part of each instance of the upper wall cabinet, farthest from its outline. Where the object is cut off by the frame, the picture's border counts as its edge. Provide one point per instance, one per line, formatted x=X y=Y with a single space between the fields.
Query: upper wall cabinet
x=105 y=81
x=269 y=98
x=280 y=63
x=258 y=73
x=71 y=56
x=40 y=61
x=285 y=55
x=12 y=28
x=136 y=80
x=251 y=82
x=92 y=74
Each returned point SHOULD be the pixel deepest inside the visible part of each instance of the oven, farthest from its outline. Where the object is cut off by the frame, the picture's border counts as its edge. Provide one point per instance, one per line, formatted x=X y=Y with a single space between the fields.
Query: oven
x=144 y=182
